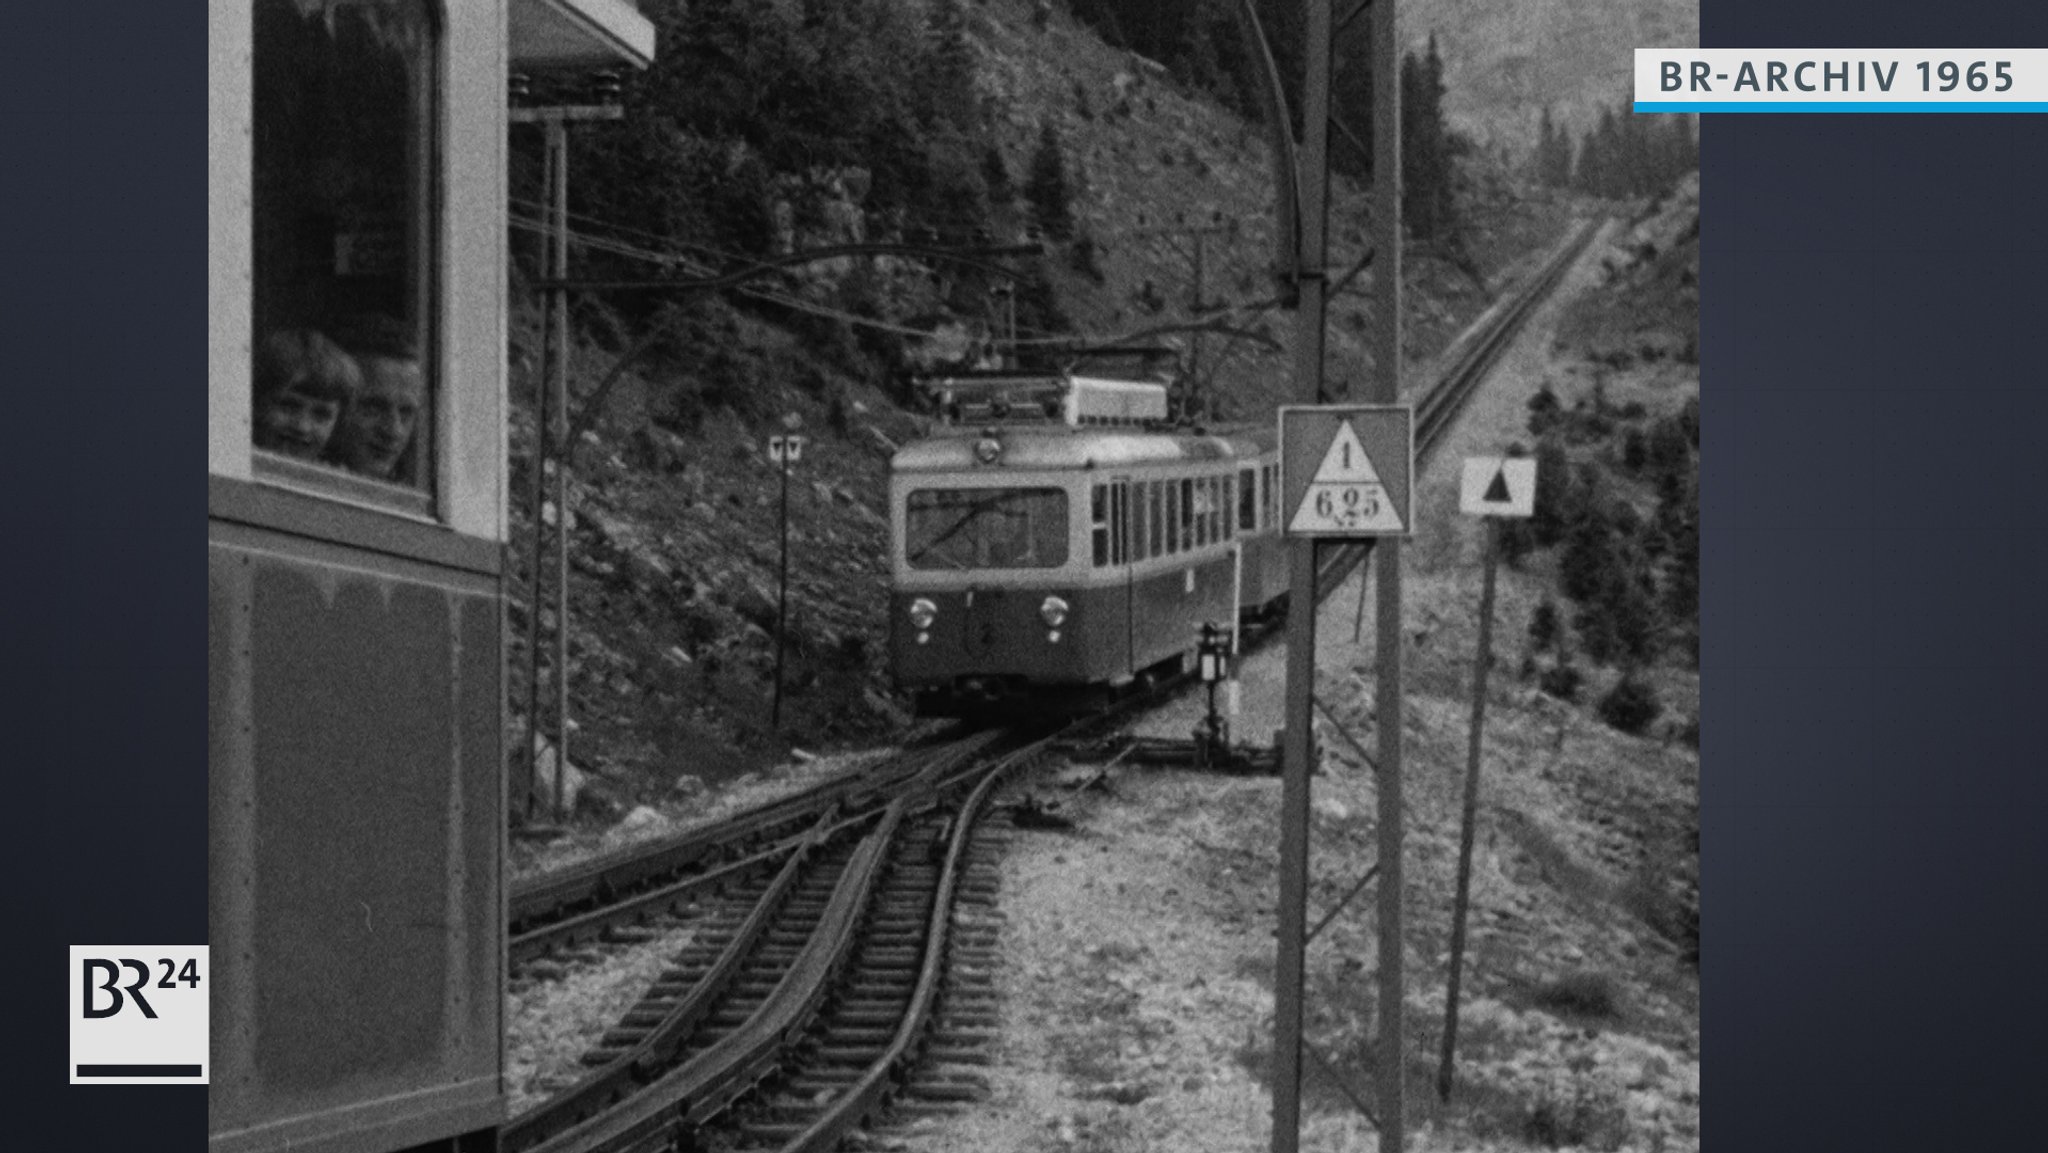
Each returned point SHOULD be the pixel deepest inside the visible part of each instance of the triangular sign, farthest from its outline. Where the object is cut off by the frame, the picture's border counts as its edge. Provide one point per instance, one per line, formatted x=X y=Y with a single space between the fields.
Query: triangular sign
x=1346 y=462
x=1346 y=494
x=1497 y=492
x=1498 y=486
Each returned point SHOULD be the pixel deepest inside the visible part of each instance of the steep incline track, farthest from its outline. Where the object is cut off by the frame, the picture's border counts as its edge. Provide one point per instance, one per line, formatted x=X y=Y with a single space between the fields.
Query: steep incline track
x=1474 y=356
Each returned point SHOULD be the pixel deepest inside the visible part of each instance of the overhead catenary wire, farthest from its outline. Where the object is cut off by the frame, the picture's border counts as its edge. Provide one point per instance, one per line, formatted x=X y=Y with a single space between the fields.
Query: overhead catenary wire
x=1228 y=319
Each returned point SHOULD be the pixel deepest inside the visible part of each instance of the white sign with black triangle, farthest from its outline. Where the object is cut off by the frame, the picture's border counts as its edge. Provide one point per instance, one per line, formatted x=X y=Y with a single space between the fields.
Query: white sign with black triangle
x=1346 y=494
x=1498 y=486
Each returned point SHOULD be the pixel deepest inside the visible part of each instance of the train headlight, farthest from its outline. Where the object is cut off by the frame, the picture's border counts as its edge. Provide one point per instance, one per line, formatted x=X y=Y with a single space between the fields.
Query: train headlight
x=923 y=613
x=1053 y=612
x=988 y=449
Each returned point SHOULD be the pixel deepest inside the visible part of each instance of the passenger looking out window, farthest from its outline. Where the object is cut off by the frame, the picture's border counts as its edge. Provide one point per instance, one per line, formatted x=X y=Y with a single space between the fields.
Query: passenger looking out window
x=375 y=434
x=343 y=115
x=303 y=384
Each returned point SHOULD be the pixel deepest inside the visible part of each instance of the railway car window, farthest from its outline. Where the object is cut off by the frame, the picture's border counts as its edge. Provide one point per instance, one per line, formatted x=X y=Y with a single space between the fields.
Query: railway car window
x=344 y=105
x=983 y=528
x=1247 y=502
x=1199 y=502
x=1155 y=544
x=1098 y=511
x=1172 y=515
x=1138 y=521
x=1119 y=524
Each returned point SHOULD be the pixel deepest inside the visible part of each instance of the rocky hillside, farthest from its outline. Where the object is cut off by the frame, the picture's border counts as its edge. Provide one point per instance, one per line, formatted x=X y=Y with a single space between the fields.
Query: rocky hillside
x=673 y=504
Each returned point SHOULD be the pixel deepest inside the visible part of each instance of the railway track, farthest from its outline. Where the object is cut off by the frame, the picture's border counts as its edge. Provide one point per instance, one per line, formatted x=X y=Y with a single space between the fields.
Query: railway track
x=839 y=972
x=808 y=999
x=1437 y=412
x=630 y=886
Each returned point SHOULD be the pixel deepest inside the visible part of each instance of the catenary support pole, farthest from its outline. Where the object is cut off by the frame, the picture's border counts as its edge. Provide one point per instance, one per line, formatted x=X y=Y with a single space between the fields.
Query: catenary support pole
x=781 y=601
x=558 y=145
x=537 y=491
x=1297 y=752
x=1481 y=665
x=1386 y=352
x=1298 y=741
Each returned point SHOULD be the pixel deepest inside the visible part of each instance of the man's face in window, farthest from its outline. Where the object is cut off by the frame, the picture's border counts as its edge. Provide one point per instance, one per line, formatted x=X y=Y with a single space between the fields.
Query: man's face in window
x=378 y=426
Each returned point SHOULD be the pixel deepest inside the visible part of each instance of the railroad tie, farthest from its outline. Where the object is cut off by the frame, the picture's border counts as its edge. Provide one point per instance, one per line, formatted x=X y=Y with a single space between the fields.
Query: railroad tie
x=949 y=1091
x=957 y=1054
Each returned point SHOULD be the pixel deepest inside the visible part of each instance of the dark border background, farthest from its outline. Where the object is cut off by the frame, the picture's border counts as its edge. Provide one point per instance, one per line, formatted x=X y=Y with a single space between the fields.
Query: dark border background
x=102 y=589
x=1875 y=479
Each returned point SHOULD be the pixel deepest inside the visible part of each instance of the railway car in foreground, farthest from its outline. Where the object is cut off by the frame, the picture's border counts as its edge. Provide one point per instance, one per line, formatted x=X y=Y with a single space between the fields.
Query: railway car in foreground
x=356 y=525
x=1055 y=539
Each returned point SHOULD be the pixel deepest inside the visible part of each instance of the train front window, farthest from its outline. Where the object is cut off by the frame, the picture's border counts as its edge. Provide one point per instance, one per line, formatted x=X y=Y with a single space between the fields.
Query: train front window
x=344 y=107
x=986 y=528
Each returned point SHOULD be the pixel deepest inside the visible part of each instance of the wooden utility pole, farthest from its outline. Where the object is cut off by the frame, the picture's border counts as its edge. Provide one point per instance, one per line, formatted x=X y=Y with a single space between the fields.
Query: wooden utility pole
x=1481 y=665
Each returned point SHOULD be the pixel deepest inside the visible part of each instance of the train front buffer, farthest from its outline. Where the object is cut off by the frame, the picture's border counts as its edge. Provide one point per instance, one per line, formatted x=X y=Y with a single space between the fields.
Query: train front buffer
x=958 y=647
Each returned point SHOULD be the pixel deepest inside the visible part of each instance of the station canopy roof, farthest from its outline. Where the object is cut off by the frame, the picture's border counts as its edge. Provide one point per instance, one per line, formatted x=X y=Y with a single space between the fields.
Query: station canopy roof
x=579 y=34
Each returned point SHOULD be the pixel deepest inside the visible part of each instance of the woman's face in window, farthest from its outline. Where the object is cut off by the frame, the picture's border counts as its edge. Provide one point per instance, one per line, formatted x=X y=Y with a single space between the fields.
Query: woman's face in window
x=296 y=423
x=378 y=426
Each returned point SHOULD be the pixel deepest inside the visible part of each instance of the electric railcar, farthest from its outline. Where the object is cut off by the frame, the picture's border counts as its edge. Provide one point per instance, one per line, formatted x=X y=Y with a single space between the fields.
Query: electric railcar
x=356 y=529
x=1057 y=541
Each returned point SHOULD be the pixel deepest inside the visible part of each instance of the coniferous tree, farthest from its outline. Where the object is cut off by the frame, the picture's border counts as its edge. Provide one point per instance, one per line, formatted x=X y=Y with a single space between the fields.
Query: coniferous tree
x=1631 y=704
x=1553 y=153
x=1427 y=194
x=1630 y=155
x=1553 y=490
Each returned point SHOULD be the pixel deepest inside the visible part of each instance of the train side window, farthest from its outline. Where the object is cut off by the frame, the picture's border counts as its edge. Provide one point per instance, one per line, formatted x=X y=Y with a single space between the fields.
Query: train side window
x=1247 y=502
x=1154 y=544
x=1119 y=523
x=345 y=101
x=1173 y=521
x=1098 y=511
x=1141 y=522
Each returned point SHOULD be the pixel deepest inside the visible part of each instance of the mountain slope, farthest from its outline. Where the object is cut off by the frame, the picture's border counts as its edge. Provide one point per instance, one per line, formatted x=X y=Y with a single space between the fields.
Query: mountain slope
x=1506 y=59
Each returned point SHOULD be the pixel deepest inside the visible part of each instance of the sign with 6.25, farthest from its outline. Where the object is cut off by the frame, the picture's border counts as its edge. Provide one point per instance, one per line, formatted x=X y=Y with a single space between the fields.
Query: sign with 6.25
x=138 y=1014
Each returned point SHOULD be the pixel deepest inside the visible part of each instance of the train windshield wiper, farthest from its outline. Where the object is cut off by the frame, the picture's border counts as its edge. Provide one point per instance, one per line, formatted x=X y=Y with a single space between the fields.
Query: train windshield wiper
x=973 y=513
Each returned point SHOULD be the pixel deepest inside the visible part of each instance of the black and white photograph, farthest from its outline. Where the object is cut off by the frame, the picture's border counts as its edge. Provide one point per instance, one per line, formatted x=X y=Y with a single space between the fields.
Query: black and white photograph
x=1070 y=576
